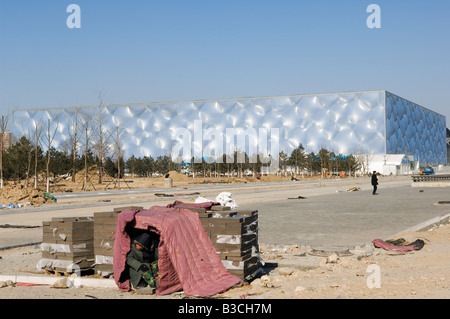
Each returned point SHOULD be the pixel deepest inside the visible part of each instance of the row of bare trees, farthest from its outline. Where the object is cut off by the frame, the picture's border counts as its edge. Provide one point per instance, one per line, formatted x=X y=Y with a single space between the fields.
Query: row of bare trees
x=37 y=158
x=90 y=144
x=87 y=139
x=297 y=163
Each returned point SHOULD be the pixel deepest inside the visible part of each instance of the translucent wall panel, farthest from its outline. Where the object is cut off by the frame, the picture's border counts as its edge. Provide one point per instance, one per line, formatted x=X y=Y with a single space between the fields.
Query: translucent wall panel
x=343 y=123
x=415 y=130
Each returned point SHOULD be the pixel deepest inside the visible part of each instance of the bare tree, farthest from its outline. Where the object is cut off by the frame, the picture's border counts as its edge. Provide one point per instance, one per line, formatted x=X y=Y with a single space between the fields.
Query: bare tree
x=73 y=133
x=37 y=137
x=119 y=151
x=100 y=146
x=3 y=126
x=102 y=139
x=363 y=160
x=283 y=161
x=49 y=139
x=29 y=157
x=119 y=155
x=87 y=143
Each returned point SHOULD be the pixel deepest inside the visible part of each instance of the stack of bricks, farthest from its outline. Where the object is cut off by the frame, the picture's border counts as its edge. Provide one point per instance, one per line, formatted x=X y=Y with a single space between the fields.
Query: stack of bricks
x=67 y=245
x=86 y=243
x=234 y=235
x=105 y=230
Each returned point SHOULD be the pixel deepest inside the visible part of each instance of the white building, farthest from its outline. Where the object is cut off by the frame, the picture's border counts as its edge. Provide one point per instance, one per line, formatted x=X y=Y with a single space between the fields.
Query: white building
x=367 y=122
x=389 y=164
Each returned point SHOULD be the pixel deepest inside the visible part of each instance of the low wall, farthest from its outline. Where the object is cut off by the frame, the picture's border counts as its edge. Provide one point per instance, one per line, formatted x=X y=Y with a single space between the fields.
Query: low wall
x=439 y=180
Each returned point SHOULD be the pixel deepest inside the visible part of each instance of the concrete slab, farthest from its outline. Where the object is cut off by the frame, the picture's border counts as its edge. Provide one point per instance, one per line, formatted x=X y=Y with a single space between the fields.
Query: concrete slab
x=348 y=219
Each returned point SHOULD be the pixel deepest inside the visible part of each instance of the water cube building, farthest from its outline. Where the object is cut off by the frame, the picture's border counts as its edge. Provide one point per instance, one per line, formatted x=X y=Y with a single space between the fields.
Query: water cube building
x=366 y=122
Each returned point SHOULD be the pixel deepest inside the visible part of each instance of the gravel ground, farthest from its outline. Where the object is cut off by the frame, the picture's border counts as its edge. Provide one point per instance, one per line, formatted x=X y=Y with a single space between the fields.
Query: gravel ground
x=372 y=273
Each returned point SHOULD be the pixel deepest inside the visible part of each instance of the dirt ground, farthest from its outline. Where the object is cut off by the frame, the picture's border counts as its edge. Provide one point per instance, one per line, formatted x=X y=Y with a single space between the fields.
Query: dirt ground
x=21 y=193
x=369 y=273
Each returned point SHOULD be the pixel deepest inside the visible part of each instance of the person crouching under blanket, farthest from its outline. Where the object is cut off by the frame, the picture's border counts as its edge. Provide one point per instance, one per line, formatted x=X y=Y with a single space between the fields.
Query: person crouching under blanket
x=143 y=260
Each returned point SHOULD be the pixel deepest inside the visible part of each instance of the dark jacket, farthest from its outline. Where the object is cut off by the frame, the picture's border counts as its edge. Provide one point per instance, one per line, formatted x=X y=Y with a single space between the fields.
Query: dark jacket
x=136 y=258
x=374 y=179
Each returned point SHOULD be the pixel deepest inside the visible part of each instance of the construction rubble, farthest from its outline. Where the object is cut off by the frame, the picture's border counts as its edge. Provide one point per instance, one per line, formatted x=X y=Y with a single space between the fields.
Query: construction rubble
x=86 y=245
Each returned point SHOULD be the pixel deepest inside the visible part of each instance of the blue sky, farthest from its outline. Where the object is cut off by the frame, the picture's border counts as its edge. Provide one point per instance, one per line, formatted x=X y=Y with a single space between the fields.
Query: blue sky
x=156 y=51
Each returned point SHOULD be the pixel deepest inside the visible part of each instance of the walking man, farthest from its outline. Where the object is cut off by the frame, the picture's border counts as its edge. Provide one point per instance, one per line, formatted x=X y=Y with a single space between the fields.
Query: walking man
x=374 y=182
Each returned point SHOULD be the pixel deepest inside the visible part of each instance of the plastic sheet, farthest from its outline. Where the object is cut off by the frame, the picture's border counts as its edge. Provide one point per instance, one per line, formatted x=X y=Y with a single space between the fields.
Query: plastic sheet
x=224 y=198
x=102 y=259
x=46 y=263
x=228 y=239
x=56 y=248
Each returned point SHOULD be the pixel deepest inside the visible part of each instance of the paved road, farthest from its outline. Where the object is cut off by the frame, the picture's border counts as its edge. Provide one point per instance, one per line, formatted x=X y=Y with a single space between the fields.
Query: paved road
x=349 y=218
x=328 y=216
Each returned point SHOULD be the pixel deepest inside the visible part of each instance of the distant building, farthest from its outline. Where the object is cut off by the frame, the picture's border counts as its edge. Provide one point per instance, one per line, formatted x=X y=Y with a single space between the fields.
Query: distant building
x=448 y=147
x=390 y=164
x=366 y=122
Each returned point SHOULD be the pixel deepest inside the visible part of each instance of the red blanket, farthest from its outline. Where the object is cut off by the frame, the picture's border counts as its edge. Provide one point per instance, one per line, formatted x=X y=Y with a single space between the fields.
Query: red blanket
x=187 y=258
x=379 y=243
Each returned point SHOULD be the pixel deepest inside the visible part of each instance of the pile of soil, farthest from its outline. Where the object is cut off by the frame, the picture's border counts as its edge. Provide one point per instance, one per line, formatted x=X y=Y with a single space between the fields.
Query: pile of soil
x=176 y=177
x=18 y=194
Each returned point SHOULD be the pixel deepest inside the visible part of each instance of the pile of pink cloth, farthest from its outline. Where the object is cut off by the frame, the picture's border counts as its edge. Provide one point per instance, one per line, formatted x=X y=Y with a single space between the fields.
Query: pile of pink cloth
x=379 y=243
x=187 y=260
